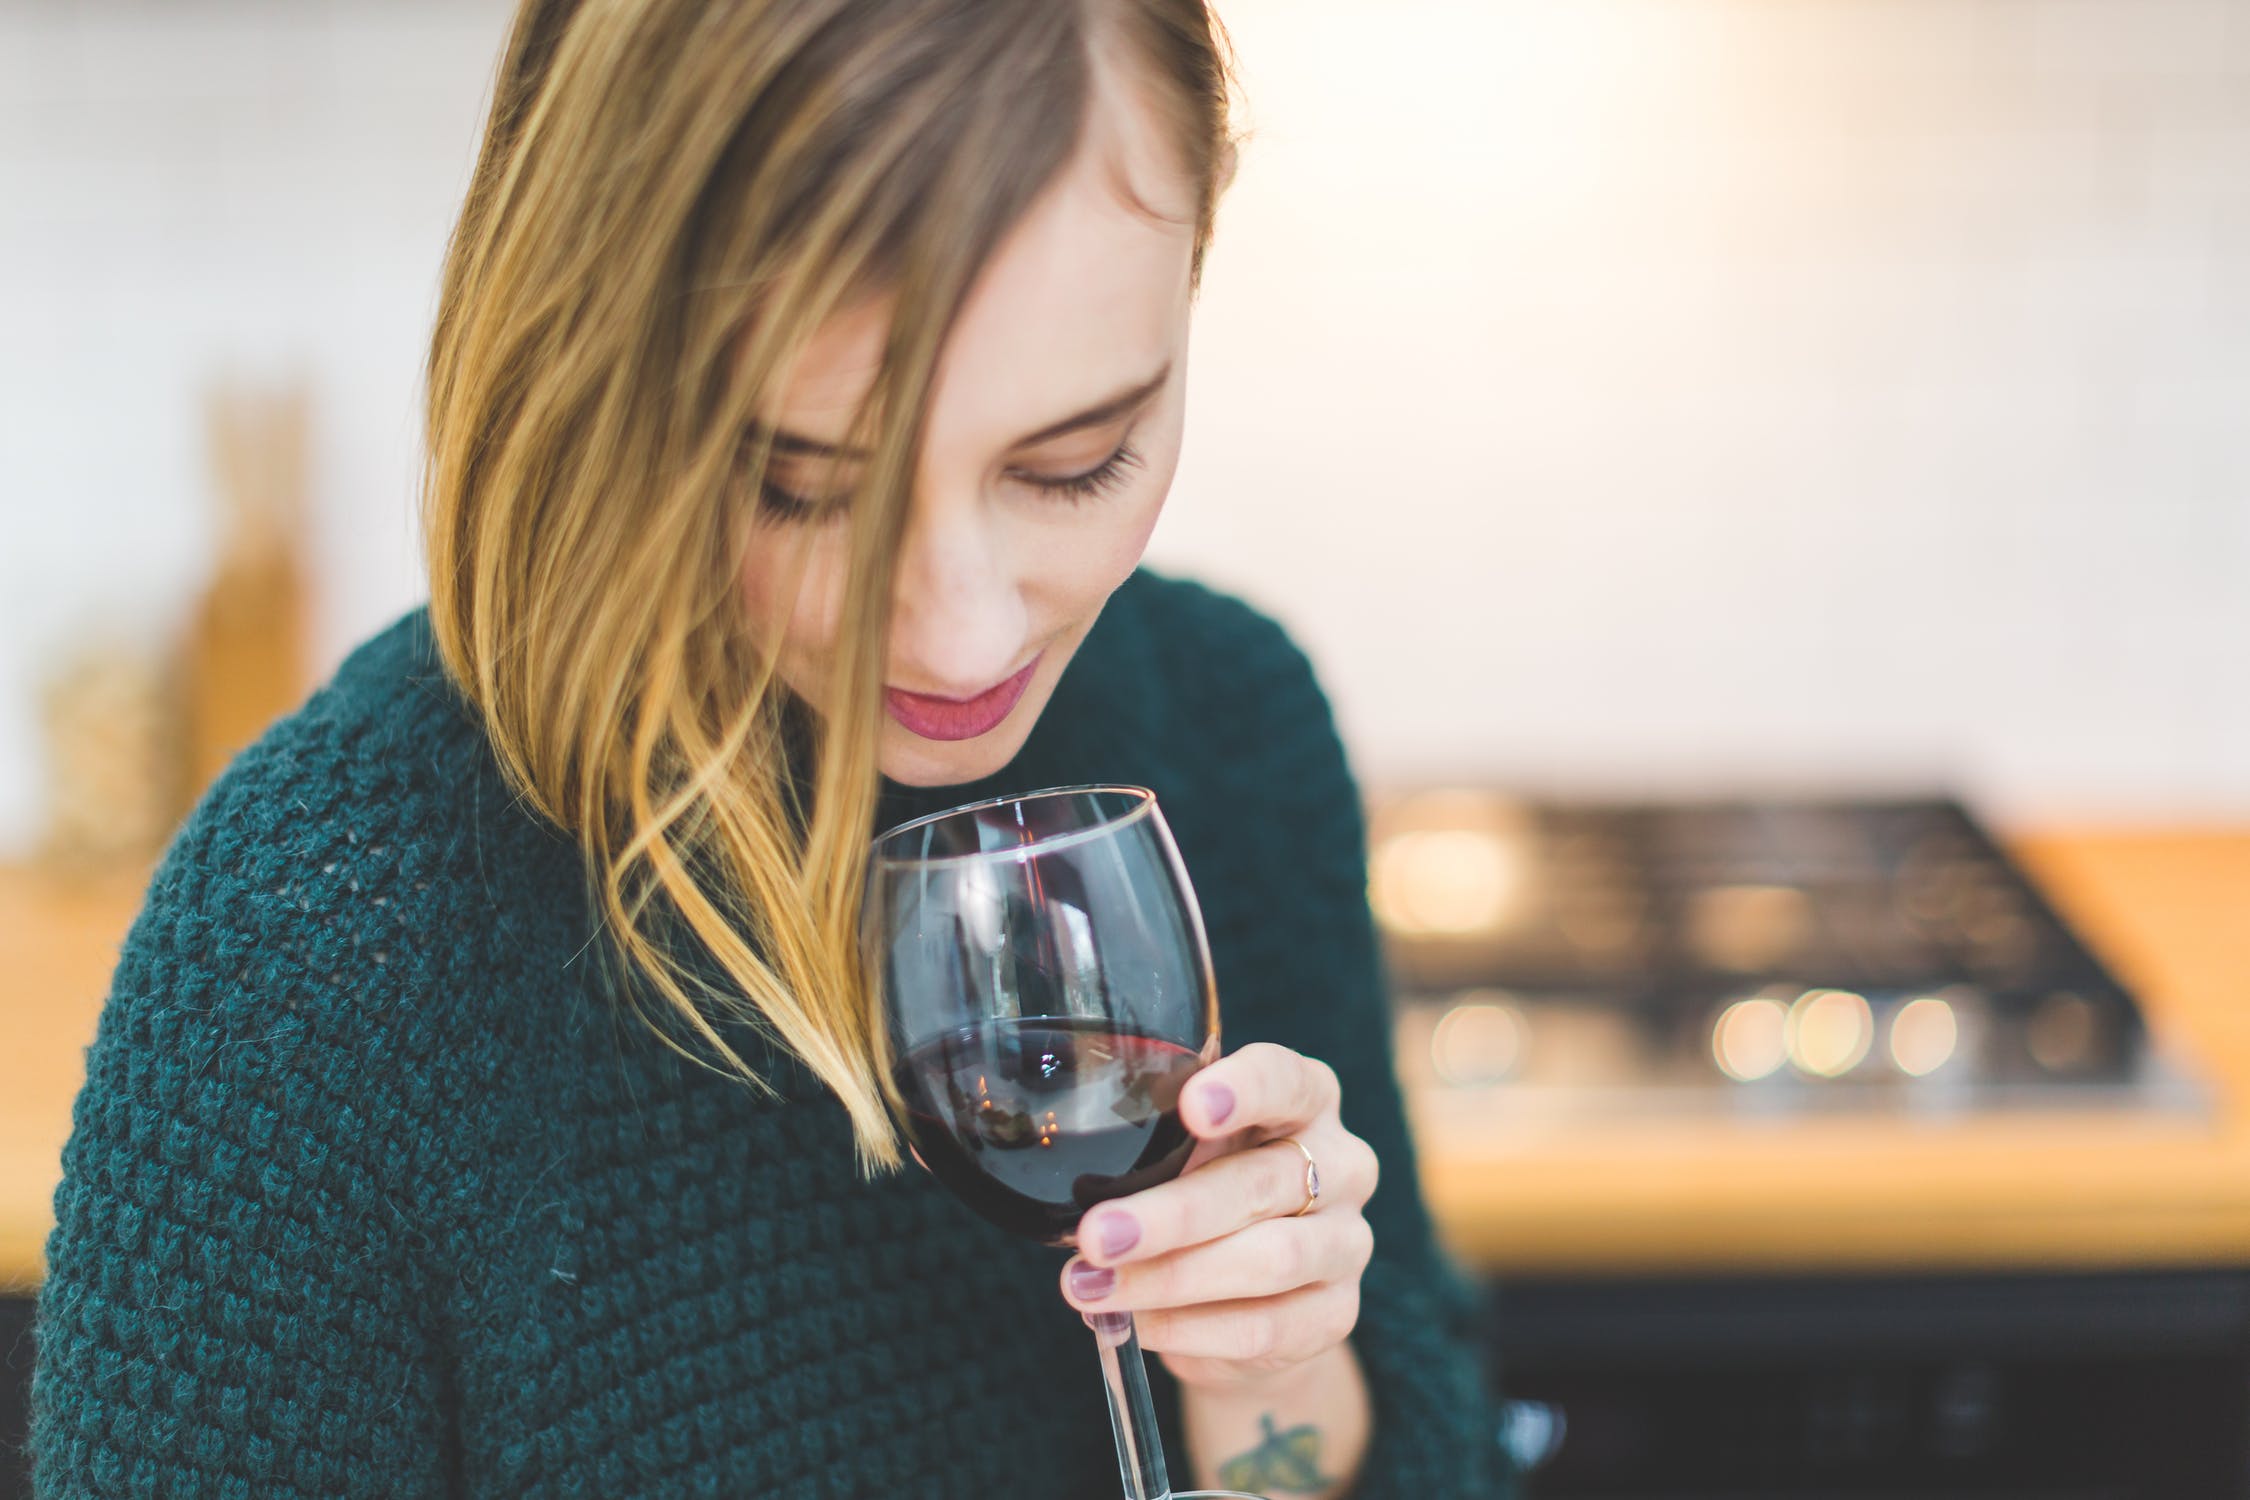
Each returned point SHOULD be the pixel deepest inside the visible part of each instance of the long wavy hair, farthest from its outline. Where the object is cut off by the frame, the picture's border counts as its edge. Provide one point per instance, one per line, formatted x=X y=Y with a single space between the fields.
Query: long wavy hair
x=670 y=197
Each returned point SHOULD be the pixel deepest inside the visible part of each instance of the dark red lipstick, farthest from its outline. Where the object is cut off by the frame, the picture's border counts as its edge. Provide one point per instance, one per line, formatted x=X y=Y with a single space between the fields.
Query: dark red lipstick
x=936 y=718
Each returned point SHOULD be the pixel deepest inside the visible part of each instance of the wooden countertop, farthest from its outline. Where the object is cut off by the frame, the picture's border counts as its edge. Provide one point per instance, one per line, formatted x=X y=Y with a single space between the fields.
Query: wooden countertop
x=2170 y=909
x=58 y=942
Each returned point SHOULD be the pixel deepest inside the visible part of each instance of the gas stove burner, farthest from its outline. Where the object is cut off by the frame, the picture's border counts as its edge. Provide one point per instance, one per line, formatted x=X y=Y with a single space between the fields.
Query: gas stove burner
x=1741 y=956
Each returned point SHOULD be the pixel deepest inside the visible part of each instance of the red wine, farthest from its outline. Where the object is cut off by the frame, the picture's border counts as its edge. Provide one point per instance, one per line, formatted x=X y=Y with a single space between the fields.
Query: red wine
x=1032 y=1122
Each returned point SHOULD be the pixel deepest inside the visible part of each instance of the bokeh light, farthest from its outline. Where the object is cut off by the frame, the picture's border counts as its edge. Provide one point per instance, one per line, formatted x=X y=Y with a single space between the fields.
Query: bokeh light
x=1478 y=1041
x=1924 y=1035
x=1830 y=1032
x=1750 y=1040
x=1446 y=881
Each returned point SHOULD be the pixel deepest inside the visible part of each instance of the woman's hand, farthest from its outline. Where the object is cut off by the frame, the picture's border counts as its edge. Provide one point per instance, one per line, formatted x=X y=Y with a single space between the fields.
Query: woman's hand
x=1224 y=1278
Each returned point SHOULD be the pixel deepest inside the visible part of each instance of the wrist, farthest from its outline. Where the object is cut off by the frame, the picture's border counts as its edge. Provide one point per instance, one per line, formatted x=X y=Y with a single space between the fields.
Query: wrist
x=1303 y=1429
x=1274 y=1388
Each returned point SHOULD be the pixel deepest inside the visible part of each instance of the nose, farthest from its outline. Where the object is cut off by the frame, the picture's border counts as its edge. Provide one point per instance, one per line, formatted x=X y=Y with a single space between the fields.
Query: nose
x=958 y=623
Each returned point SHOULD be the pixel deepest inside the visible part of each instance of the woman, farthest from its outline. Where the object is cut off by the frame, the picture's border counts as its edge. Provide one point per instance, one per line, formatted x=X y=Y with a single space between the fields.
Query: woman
x=484 y=1106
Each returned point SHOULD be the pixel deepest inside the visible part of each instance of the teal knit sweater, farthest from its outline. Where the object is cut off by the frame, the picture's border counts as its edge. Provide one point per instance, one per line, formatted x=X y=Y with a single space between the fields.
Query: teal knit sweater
x=374 y=1191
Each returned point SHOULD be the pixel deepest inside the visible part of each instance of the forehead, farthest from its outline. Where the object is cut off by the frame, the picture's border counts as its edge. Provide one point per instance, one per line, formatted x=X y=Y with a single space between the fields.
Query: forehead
x=1087 y=294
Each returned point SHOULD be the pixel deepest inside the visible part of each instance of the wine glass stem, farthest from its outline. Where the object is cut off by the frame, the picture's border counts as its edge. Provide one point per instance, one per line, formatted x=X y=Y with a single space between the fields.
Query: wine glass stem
x=1132 y=1416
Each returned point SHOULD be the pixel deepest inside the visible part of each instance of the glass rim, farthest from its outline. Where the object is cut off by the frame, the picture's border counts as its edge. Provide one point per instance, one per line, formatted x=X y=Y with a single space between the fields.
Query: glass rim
x=1144 y=804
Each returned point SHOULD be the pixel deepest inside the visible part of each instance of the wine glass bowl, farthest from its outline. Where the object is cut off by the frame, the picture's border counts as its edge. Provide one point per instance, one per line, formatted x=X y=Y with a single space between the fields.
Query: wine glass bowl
x=1046 y=992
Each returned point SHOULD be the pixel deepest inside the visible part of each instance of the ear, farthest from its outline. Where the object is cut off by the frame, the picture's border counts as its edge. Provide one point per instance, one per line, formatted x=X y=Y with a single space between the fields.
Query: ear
x=1230 y=158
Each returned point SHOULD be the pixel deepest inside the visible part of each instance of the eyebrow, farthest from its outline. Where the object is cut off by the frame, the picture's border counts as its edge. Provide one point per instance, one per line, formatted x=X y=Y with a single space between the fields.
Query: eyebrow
x=1109 y=409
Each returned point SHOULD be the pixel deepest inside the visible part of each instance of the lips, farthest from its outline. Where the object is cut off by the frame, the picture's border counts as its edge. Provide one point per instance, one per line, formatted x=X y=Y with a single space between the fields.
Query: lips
x=959 y=718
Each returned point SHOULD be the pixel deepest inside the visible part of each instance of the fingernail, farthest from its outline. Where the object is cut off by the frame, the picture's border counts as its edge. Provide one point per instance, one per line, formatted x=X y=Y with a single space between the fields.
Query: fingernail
x=1116 y=1233
x=1218 y=1101
x=1112 y=1324
x=1091 y=1283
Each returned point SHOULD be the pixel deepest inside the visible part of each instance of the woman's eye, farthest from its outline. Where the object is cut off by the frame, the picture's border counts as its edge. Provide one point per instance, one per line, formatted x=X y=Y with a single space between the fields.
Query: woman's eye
x=802 y=492
x=784 y=504
x=777 y=501
x=1103 y=477
x=787 y=505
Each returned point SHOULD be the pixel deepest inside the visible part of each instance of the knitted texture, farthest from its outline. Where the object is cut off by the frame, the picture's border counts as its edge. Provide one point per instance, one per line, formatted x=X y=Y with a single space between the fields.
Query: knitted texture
x=374 y=1189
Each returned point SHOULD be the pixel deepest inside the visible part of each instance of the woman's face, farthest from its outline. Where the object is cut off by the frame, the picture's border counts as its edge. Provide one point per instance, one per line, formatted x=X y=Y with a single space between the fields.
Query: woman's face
x=1053 y=433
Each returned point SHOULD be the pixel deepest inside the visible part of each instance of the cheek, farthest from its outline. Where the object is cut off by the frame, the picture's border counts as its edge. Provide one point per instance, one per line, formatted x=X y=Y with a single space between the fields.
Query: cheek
x=1087 y=551
x=1077 y=560
x=792 y=592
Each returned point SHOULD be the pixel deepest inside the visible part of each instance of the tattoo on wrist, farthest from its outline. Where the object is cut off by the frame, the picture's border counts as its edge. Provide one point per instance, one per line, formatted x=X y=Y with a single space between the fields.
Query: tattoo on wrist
x=1286 y=1462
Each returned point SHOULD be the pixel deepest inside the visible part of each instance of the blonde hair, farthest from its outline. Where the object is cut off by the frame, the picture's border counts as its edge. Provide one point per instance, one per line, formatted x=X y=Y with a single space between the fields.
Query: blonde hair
x=670 y=197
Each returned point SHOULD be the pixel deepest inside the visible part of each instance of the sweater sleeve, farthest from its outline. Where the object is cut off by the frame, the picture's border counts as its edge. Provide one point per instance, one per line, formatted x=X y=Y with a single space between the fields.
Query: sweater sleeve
x=1308 y=971
x=230 y=1308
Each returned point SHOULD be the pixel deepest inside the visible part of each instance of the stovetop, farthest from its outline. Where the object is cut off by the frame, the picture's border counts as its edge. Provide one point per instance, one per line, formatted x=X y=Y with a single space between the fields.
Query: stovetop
x=1742 y=957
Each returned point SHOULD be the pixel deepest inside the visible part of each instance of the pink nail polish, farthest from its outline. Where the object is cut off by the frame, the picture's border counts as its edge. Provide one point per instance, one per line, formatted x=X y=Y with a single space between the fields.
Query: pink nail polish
x=1116 y=1233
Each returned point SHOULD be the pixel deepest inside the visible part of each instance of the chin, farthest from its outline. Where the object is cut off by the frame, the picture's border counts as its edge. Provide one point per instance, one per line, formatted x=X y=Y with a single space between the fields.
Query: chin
x=910 y=760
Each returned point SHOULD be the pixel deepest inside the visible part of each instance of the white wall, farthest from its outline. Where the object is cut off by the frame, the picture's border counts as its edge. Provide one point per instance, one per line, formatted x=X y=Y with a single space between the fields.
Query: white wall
x=1627 y=389
x=193 y=187
x=1610 y=391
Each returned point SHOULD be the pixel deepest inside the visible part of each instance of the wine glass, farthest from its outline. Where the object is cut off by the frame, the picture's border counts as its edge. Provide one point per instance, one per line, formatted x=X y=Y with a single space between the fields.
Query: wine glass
x=1045 y=992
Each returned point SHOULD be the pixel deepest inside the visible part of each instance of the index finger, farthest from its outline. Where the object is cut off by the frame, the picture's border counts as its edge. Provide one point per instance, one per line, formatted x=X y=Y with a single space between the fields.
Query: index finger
x=1262 y=1085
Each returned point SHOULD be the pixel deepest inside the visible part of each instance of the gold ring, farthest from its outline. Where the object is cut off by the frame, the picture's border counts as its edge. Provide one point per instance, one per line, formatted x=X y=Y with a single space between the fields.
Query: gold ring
x=1312 y=1175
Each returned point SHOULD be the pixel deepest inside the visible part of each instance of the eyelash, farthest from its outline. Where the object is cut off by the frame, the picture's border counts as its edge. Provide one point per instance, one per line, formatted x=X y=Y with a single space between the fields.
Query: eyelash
x=1078 y=488
x=1102 y=478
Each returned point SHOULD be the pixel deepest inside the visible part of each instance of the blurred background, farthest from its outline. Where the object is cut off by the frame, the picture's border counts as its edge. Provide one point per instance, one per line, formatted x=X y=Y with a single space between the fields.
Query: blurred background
x=1766 y=483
